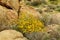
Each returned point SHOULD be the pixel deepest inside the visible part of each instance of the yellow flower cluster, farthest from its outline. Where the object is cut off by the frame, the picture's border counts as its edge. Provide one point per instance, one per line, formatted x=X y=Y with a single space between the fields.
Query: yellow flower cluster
x=28 y=23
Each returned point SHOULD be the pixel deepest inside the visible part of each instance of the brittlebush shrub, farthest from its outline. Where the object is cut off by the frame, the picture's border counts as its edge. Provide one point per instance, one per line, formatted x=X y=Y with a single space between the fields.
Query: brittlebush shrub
x=28 y=23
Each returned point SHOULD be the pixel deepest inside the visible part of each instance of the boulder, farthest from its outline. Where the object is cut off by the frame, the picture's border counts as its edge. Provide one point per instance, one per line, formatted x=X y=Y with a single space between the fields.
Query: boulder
x=8 y=18
x=11 y=35
x=55 y=18
x=30 y=10
x=14 y=4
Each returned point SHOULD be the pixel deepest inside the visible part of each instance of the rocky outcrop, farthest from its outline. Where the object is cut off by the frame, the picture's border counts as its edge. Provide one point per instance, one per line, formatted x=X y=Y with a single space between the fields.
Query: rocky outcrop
x=43 y=10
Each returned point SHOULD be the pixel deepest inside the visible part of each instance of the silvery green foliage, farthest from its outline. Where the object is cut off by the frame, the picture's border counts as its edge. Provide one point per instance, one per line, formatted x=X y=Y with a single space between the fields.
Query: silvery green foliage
x=51 y=36
x=34 y=35
x=54 y=27
x=52 y=33
x=43 y=36
x=46 y=18
x=51 y=18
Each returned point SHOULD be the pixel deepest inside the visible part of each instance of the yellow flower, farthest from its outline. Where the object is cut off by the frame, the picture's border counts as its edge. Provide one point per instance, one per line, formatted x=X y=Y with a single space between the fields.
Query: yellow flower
x=28 y=23
x=21 y=26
